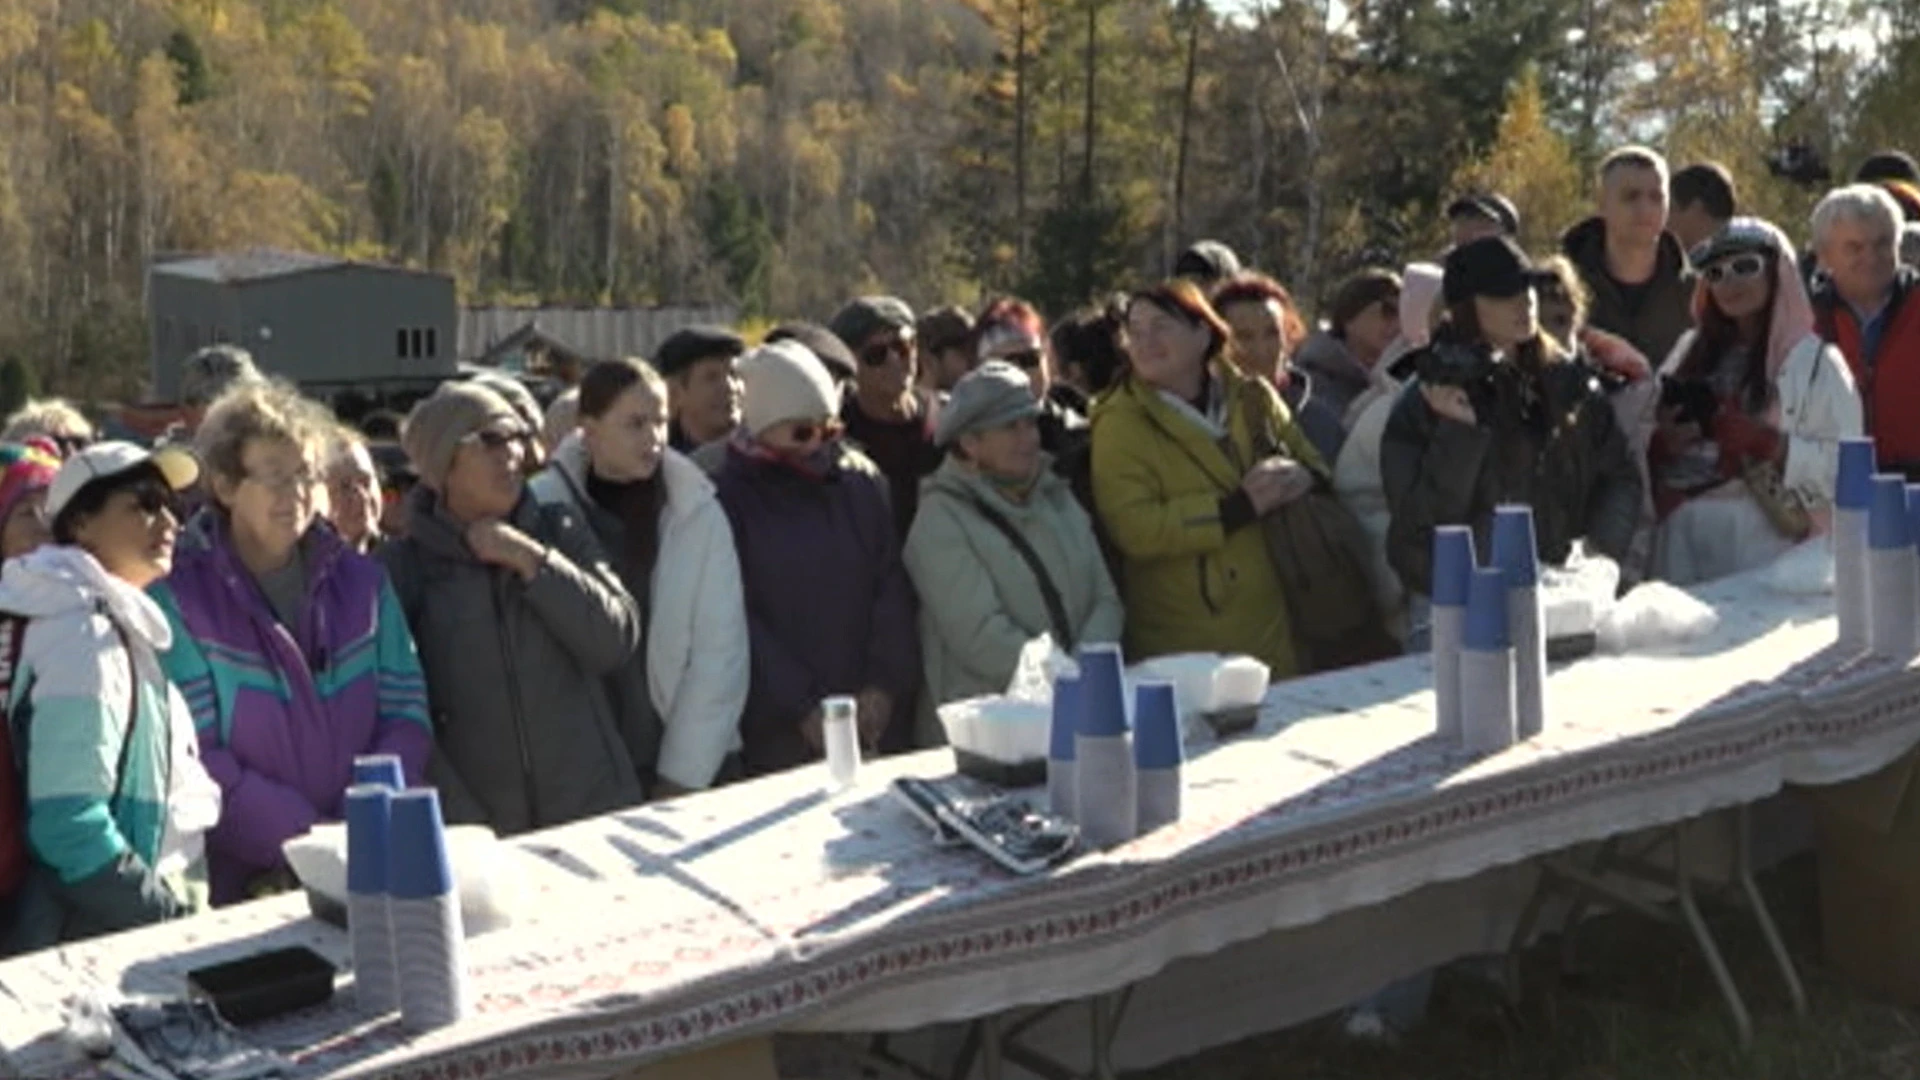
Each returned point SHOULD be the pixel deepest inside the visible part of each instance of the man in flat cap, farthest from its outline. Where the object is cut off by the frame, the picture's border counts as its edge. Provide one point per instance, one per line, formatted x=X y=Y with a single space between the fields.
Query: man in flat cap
x=703 y=393
x=887 y=415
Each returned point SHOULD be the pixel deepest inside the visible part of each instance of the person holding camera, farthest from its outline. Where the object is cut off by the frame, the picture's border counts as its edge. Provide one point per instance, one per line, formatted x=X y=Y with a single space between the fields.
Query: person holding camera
x=1753 y=405
x=1499 y=412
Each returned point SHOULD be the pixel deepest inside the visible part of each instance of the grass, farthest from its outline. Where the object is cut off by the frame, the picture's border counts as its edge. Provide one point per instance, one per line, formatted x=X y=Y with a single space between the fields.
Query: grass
x=1642 y=1007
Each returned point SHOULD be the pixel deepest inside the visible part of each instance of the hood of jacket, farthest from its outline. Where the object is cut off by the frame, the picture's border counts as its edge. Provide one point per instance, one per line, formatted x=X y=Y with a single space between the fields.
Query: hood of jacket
x=1586 y=245
x=1326 y=356
x=686 y=484
x=59 y=580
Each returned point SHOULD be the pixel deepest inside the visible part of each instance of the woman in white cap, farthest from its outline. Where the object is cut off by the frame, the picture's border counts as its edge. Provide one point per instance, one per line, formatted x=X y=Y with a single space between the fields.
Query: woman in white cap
x=118 y=803
x=519 y=620
x=1001 y=551
x=829 y=607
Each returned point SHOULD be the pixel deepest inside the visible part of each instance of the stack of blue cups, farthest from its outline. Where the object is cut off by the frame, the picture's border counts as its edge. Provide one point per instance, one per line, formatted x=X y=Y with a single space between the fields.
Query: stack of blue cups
x=1159 y=756
x=376 y=980
x=1893 y=576
x=1517 y=554
x=1453 y=563
x=1852 y=504
x=1105 y=783
x=429 y=938
x=1064 y=728
x=1487 y=708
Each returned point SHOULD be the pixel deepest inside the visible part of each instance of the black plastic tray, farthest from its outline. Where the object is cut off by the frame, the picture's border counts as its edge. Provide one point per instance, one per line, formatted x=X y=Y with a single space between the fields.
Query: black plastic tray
x=264 y=985
x=1000 y=773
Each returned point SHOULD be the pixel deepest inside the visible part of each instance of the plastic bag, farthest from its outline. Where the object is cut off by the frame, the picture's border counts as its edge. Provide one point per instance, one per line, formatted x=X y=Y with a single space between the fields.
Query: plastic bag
x=1654 y=616
x=487 y=887
x=1041 y=662
x=1577 y=594
x=1804 y=570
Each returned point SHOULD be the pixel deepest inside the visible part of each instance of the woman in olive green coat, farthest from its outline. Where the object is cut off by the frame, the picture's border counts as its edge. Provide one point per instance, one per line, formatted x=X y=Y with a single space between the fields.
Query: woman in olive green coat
x=980 y=600
x=1181 y=493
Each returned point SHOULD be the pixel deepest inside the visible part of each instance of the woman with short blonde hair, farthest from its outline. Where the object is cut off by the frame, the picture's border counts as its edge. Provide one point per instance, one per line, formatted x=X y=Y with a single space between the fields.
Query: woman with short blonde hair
x=289 y=646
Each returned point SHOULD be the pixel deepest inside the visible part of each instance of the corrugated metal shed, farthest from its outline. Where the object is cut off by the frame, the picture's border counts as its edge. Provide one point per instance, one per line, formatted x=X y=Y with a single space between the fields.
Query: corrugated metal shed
x=240 y=266
x=593 y=333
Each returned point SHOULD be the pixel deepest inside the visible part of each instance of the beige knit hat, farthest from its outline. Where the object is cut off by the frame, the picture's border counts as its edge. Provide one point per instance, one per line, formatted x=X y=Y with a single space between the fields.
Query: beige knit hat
x=439 y=421
x=785 y=381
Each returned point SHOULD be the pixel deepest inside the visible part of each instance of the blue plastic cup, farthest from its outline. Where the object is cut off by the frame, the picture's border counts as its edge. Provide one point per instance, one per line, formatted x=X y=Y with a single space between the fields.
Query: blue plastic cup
x=1515 y=548
x=1913 y=511
x=383 y=769
x=1853 y=488
x=1486 y=629
x=1066 y=718
x=369 y=809
x=418 y=866
x=1453 y=563
x=1103 y=692
x=1887 y=524
x=1156 y=727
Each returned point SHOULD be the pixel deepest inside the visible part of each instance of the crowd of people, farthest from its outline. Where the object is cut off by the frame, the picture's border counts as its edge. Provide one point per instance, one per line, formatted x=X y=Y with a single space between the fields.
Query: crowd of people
x=647 y=587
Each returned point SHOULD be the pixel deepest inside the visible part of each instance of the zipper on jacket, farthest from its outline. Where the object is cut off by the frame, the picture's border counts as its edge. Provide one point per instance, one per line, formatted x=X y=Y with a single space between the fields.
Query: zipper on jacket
x=535 y=819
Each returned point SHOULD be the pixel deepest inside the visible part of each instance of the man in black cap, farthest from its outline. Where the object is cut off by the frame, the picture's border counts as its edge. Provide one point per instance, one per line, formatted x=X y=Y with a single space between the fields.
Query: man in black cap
x=1207 y=263
x=887 y=415
x=1481 y=214
x=702 y=391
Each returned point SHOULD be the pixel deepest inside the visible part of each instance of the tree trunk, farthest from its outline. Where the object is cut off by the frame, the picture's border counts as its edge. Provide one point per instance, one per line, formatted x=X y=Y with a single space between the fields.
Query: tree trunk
x=1020 y=136
x=1194 y=16
x=1087 y=125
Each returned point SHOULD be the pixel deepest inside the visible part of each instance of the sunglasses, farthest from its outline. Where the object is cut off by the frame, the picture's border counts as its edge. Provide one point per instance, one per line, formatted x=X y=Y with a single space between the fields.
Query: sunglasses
x=151 y=498
x=820 y=430
x=877 y=355
x=1738 y=268
x=1025 y=360
x=495 y=439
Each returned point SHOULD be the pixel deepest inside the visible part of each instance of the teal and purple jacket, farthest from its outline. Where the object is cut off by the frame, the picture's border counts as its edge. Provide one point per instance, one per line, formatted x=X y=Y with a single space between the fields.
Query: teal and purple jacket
x=281 y=713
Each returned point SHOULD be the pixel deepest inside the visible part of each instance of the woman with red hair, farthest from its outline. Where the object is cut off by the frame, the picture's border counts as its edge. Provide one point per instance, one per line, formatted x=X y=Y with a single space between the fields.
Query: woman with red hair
x=1266 y=329
x=1181 y=484
x=1011 y=330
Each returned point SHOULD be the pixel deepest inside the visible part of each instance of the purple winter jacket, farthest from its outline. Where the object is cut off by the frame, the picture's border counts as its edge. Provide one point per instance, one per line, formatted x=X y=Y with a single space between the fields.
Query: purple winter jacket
x=281 y=715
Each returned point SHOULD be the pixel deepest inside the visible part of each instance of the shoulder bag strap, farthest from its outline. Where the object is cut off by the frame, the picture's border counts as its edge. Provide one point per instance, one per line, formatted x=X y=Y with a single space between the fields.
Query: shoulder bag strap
x=1056 y=609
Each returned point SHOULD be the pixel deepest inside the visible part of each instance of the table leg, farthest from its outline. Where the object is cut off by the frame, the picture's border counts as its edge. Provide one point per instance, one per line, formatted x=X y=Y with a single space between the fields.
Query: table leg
x=992 y=1060
x=1690 y=911
x=1103 y=1028
x=1743 y=869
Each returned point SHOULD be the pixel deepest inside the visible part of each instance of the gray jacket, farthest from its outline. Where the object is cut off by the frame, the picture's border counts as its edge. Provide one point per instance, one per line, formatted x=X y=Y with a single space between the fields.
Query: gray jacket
x=526 y=735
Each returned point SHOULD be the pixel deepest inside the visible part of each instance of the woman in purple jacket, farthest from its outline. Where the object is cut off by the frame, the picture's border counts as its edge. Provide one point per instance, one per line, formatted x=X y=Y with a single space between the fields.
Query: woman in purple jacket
x=289 y=647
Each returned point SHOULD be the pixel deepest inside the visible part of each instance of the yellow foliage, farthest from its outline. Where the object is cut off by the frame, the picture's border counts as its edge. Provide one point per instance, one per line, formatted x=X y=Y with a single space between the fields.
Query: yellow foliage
x=1533 y=165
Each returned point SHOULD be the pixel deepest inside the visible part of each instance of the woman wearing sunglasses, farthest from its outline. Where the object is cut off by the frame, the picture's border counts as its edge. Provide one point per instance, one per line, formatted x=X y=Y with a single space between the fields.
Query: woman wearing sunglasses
x=1012 y=332
x=288 y=644
x=829 y=608
x=117 y=800
x=520 y=622
x=1752 y=408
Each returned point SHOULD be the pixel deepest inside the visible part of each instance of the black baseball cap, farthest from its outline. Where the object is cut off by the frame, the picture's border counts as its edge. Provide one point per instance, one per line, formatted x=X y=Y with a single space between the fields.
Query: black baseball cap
x=1488 y=206
x=691 y=344
x=1493 y=266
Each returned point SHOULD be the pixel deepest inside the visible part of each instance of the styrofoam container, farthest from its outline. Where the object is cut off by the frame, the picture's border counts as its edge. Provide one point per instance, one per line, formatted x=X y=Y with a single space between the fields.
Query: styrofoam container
x=999 y=728
x=319 y=860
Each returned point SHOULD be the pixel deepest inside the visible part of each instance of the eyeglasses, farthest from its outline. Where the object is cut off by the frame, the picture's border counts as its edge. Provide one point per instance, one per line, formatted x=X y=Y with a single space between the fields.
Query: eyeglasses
x=816 y=430
x=301 y=480
x=877 y=354
x=1025 y=359
x=151 y=498
x=1738 y=268
x=495 y=439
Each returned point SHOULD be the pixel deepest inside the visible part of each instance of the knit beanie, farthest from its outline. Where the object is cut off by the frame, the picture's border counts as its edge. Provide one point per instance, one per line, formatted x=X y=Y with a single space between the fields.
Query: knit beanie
x=439 y=421
x=24 y=469
x=869 y=315
x=785 y=381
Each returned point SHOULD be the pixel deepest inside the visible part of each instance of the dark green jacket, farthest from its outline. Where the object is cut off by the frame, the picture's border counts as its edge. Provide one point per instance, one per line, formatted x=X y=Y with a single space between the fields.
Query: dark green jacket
x=1664 y=313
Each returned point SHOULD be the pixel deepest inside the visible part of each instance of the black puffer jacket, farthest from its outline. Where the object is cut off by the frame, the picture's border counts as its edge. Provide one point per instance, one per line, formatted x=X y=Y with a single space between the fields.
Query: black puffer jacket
x=1550 y=441
x=1665 y=310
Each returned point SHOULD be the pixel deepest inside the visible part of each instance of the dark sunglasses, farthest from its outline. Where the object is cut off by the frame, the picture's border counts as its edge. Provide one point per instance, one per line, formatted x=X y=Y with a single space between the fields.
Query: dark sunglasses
x=1738 y=268
x=878 y=355
x=822 y=430
x=497 y=440
x=1025 y=360
x=150 y=498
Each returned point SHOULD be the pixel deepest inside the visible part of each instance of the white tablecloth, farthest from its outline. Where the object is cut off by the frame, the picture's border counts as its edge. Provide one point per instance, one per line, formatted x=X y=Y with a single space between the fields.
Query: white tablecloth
x=774 y=907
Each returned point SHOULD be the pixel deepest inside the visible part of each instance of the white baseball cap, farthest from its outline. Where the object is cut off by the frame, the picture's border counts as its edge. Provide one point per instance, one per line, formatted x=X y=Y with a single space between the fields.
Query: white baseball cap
x=106 y=460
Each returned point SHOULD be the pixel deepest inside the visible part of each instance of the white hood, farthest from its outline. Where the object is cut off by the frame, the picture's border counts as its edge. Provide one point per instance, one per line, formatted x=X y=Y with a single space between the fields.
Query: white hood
x=58 y=579
x=687 y=485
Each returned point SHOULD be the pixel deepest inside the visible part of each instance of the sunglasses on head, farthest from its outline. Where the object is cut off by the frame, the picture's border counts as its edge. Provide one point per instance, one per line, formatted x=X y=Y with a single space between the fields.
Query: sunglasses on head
x=816 y=430
x=876 y=355
x=1738 y=268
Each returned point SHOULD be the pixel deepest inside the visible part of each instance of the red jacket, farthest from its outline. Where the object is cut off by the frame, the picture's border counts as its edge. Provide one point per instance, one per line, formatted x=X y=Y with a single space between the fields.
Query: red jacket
x=1890 y=384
